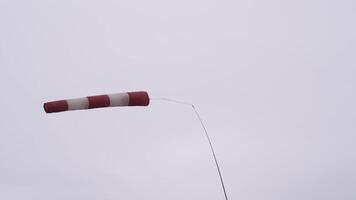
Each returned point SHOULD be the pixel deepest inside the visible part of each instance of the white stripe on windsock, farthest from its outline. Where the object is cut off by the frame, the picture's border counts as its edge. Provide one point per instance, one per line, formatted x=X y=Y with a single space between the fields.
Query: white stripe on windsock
x=78 y=103
x=119 y=99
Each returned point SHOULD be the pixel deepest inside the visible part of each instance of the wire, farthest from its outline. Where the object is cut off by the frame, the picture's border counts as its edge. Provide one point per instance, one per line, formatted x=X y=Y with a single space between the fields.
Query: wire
x=206 y=134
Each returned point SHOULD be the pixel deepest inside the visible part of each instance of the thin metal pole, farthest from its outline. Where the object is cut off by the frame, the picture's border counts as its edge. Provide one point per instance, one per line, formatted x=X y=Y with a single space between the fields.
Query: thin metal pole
x=212 y=150
x=207 y=136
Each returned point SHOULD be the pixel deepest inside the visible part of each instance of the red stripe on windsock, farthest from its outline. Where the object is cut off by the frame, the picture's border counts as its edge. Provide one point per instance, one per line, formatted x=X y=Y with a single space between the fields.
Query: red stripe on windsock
x=99 y=101
x=140 y=98
x=55 y=106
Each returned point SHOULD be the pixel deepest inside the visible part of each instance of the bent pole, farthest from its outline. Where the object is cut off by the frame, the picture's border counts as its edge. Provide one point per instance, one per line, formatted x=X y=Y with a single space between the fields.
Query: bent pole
x=207 y=136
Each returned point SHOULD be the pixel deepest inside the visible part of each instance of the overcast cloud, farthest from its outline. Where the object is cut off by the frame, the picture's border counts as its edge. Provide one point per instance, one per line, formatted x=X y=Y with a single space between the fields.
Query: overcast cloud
x=274 y=82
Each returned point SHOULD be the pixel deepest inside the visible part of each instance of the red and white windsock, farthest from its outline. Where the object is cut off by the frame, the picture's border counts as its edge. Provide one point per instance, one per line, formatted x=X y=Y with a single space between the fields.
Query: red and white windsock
x=139 y=98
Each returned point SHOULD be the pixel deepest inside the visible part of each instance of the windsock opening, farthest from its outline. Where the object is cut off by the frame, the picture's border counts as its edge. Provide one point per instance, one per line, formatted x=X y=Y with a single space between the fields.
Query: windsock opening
x=138 y=98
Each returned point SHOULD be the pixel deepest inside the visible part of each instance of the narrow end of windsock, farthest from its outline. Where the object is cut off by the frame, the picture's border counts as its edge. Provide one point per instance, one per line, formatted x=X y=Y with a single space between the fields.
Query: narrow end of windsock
x=55 y=106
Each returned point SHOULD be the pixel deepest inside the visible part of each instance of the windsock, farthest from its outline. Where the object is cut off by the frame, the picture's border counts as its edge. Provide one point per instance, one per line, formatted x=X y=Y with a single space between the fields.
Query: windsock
x=139 y=98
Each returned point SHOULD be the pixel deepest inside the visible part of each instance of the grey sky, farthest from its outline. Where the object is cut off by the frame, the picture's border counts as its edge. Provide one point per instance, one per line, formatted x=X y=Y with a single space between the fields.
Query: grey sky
x=274 y=82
